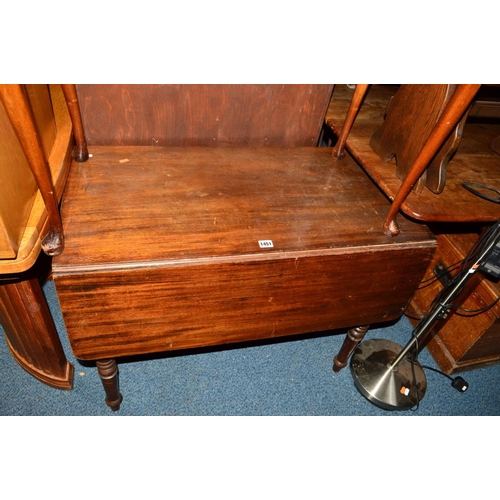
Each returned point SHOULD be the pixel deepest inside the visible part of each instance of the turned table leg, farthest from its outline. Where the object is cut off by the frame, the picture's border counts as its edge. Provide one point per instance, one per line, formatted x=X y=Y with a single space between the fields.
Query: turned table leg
x=353 y=338
x=108 y=372
x=31 y=334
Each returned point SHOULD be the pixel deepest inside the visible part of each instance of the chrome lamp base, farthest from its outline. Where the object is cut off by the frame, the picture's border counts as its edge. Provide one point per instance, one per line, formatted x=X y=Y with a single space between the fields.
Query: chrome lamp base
x=398 y=387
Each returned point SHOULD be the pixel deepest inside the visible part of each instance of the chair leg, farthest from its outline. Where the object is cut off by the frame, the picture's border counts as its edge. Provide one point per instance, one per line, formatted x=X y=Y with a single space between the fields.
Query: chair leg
x=81 y=153
x=359 y=93
x=353 y=338
x=108 y=372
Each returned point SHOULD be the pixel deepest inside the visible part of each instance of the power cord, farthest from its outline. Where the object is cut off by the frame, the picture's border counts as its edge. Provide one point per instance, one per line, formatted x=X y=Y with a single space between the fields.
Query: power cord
x=457 y=383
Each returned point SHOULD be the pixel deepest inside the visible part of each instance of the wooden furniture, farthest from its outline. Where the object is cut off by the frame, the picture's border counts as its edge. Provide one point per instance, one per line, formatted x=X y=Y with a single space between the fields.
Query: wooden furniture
x=411 y=117
x=203 y=115
x=35 y=151
x=174 y=247
x=474 y=160
x=36 y=142
x=400 y=120
x=464 y=340
x=29 y=329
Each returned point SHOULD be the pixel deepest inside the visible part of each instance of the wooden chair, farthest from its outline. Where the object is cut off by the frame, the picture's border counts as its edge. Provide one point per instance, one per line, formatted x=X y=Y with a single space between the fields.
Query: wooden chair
x=365 y=140
x=172 y=243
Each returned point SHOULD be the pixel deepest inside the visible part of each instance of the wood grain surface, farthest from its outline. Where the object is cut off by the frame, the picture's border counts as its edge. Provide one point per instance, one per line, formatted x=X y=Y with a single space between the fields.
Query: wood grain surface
x=133 y=205
x=162 y=248
x=203 y=115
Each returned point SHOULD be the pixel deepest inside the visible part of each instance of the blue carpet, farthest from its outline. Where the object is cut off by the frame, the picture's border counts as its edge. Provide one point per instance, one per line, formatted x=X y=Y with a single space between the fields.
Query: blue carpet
x=284 y=378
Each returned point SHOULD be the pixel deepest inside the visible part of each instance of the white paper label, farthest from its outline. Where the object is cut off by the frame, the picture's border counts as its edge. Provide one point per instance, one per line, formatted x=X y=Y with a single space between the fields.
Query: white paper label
x=266 y=244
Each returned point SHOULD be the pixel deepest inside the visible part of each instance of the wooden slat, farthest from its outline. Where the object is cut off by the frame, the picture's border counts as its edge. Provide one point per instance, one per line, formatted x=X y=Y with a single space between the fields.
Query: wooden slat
x=41 y=105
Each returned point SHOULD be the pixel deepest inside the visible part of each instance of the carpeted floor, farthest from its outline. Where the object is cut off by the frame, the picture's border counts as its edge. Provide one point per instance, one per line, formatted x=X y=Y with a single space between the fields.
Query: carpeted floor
x=284 y=378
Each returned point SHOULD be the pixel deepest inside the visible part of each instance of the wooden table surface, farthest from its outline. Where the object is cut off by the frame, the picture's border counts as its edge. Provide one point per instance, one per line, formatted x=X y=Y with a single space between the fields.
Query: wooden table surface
x=175 y=204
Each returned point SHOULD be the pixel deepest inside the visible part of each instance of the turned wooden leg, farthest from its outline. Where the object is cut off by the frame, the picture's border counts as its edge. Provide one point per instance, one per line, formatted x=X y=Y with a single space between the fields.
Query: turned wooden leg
x=353 y=338
x=31 y=334
x=108 y=371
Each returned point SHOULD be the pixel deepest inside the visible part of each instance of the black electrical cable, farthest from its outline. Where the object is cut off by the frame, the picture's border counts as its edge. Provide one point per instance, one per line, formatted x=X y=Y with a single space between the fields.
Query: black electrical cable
x=437 y=371
x=430 y=281
x=457 y=383
x=490 y=235
x=473 y=312
x=482 y=242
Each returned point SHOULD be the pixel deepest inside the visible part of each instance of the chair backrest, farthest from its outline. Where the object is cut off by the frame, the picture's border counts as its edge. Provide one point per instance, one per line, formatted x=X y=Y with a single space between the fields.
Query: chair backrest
x=203 y=115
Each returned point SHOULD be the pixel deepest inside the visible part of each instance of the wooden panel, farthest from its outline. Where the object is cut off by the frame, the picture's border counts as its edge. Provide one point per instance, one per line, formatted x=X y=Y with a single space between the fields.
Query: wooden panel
x=162 y=248
x=410 y=118
x=128 y=312
x=486 y=348
x=18 y=187
x=41 y=105
x=203 y=115
x=31 y=334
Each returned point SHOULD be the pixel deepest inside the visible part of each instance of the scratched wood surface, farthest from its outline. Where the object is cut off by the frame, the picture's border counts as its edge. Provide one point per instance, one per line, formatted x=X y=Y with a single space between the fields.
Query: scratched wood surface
x=162 y=248
x=130 y=205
